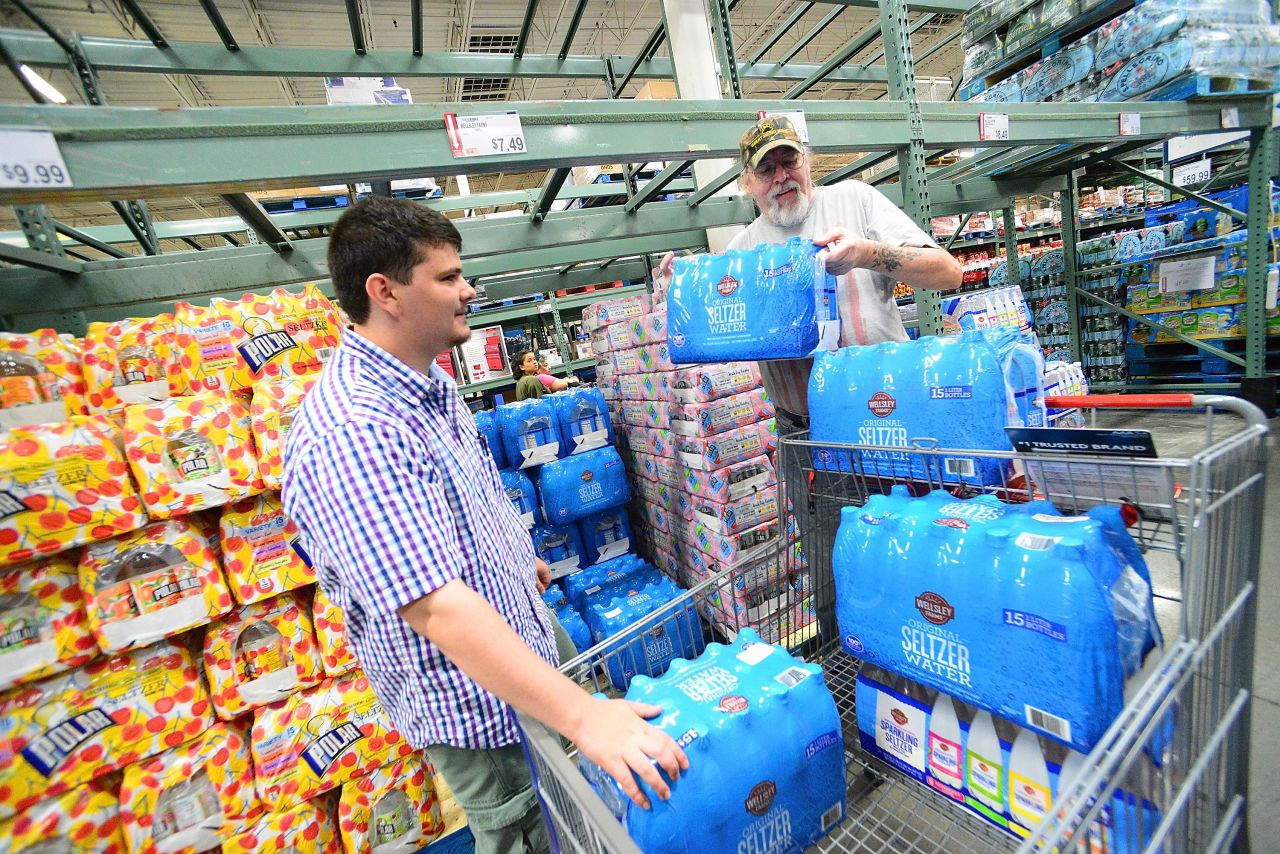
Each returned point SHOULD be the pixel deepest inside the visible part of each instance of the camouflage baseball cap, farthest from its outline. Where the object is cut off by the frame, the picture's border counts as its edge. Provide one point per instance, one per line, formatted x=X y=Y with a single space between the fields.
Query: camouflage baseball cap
x=766 y=135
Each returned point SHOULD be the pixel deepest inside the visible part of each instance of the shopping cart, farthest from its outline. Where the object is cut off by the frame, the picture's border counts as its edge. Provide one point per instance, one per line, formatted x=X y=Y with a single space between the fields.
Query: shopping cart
x=1175 y=761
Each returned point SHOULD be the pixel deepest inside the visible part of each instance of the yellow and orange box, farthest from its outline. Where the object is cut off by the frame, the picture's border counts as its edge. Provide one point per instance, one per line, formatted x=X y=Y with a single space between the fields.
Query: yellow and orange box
x=190 y=798
x=274 y=406
x=259 y=654
x=63 y=485
x=234 y=344
x=152 y=584
x=331 y=634
x=191 y=453
x=260 y=550
x=86 y=818
x=43 y=626
x=42 y=381
x=65 y=731
x=130 y=361
x=307 y=828
x=394 y=808
x=320 y=738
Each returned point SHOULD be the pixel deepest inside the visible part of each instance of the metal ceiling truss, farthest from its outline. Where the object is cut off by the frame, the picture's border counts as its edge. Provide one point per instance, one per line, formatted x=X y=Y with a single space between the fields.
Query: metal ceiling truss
x=219 y=24
x=145 y=23
x=805 y=40
x=781 y=31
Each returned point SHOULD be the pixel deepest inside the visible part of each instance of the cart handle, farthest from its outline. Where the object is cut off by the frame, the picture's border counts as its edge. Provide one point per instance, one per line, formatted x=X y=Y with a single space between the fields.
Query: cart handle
x=1243 y=408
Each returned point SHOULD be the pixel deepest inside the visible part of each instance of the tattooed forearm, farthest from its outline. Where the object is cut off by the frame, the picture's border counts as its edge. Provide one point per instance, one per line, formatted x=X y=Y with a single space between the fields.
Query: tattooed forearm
x=889 y=258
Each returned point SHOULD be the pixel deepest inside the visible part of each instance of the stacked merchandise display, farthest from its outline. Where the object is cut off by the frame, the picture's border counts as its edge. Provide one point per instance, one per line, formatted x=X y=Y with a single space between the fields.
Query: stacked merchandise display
x=173 y=679
x=702 y=445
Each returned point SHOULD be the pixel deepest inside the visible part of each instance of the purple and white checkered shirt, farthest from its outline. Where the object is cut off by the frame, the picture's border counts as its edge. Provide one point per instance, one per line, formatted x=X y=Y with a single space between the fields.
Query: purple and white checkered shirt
x=395 y=495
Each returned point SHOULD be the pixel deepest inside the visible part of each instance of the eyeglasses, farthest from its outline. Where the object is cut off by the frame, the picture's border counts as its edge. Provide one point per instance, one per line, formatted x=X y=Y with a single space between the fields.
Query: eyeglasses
x=788 y=162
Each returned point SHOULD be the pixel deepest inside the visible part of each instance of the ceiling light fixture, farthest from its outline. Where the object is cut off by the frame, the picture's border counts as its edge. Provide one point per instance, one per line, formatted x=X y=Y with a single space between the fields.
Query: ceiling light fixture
x=44 y=87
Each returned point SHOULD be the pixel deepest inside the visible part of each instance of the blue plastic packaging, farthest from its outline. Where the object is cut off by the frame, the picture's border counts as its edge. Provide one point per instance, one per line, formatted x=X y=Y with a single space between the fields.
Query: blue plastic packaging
x=580 y=586
x=560 y=547
x=578 y=486
x=487 y=427
x=530 y=433
x=766 y=754
x=606 y=534
x=523 y=496
x=583 y=417
x=936 y=392
x=677 y=635
x=775 y=301
x=1030 y=615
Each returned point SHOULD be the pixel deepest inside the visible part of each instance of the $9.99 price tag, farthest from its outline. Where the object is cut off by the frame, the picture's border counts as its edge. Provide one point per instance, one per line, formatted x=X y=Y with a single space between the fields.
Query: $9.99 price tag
x=31 y=159
x=484 y=136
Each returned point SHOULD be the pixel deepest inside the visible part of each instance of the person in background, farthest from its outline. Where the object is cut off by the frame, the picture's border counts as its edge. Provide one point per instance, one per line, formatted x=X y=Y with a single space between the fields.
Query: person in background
x=411 y=533
x=533 y=378
x=870 y=244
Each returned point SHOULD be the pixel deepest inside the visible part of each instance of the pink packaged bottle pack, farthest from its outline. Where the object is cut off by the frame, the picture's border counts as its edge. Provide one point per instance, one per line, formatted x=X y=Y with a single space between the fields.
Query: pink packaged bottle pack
x=648 y=386
x=628 y=362
x=655 y=517
x=609 y=312
x=716 y=416
x=657 y=493
x=652 y=440
x=646 y=413
x=701 y=383
x=647 y=329
x=734 y=516
x=661 y=469
x=731 y=482
x=656 y=357
x=730 y=548
x=713 y=452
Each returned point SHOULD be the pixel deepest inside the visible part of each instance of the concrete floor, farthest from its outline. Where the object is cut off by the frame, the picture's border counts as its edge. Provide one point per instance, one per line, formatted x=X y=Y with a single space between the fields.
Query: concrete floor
x=1180 y=435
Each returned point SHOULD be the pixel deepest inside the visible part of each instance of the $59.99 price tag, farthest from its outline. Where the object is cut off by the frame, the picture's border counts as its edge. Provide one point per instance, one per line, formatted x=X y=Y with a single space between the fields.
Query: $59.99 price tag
x=31 y=159
x=484 y=136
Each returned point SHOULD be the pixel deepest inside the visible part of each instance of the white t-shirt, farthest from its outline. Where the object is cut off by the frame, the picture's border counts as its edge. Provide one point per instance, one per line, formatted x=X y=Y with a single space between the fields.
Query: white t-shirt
x=868 y=312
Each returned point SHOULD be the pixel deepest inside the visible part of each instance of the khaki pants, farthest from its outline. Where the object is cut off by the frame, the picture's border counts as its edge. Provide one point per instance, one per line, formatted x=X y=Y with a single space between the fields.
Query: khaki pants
x=495 y=790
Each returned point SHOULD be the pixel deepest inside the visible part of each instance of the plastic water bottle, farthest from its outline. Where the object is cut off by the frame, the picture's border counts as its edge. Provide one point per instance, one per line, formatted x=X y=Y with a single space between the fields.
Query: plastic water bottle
x=984 y=765
x=946 y=756
x=1029 y=793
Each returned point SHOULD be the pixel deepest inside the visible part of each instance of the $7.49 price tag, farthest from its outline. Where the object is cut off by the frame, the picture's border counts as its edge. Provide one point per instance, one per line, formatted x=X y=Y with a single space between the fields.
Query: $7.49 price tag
x=484 y=136
x=31 y=159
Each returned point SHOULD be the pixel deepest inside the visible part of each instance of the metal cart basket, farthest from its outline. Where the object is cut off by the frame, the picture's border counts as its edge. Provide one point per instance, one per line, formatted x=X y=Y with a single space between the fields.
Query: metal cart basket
x=1177 y=755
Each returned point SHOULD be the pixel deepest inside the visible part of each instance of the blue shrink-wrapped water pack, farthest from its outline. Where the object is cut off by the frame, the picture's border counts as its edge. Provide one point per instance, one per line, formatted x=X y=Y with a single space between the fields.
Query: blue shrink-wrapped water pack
x=523 y=496
x=560 y=546
x=628 y=569
x=775 y=301
x=606 y=534
x=615 y=608
x=577 y=486
x=583 y=418
x=556 y=599
x=944 y=392
x=487 y=427
x=1030 y=615
x=766 y=754
x=530 y=432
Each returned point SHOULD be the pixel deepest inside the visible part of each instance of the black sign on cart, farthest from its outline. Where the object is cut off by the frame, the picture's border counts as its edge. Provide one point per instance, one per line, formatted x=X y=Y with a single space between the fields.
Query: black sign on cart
x=1088 y=442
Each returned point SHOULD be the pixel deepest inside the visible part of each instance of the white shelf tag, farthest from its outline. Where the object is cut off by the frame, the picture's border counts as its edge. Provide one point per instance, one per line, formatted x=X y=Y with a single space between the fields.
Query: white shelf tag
x=30 y=158
x=485 y=136
x=1196 y=172
x=1131 y=124
x=1230 y=118
x=993 y=127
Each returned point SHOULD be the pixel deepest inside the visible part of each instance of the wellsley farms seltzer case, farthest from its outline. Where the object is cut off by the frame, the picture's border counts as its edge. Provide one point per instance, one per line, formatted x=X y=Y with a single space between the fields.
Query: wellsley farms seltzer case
x=110 y=713
x=260 y=550
x=62 y=485
x=234 y=344
x=260 y=653
x=320 y=738
x=190 y=453
x=43 y=626
x=153 y=583
x=188 y=799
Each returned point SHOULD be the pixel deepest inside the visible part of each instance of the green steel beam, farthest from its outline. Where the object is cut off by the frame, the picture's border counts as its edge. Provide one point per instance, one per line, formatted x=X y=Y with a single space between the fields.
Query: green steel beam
x=651 y=45
x=959 y=228
x=88 y=240
x=40 y=261
x=49 y=30
x=1068 y=207
x=722 y=34
x=1238 y=216
x=657 y=184
x=1149 y=320
x=714 y=186
x=357 y=27
x=862 y=163
x=920 y=22
x=545 y=281
x=574 y=21
x=39 y=229
x=489 y=248
x=791 y=21
x=219 y=24
x=939 y=45
x=526 y=26
x=944 y=7
x=550 y=190
x=1012 y=261
x=415 y=18
x=1262 y=168
x=267 y=229
x=145 y=23
x=857 y=45
x=813 y=33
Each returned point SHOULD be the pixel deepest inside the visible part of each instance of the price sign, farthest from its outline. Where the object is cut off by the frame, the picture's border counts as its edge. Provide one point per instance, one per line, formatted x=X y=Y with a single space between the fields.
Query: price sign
x=1196 y=172
x=993 y=127
x=484 y=136
x=1230 y=117
x=31 y=159
x=1131 y=124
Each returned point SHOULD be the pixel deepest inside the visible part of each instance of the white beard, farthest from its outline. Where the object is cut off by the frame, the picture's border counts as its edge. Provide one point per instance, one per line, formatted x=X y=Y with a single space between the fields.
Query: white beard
x=791 y=215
